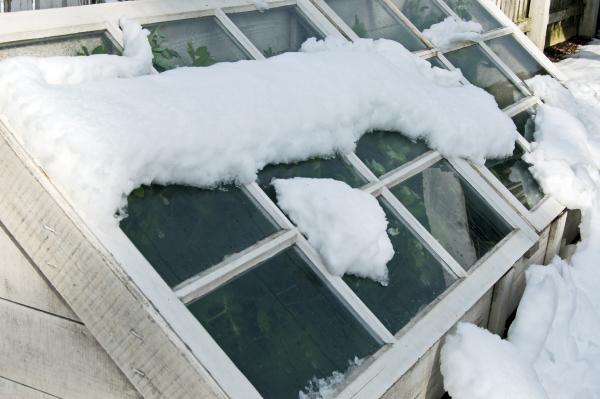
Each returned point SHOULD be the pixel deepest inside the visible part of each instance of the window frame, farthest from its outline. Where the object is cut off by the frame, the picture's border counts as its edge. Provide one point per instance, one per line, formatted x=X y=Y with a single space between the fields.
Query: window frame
x=402 y=349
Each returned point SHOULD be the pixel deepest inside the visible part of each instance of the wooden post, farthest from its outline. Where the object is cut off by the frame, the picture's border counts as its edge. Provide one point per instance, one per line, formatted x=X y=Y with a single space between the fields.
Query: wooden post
x=589 y=18
x=539 y=14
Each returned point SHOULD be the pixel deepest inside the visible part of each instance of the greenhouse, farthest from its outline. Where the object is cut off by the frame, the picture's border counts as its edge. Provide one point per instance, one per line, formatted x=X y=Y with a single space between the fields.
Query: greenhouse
x=216 y=290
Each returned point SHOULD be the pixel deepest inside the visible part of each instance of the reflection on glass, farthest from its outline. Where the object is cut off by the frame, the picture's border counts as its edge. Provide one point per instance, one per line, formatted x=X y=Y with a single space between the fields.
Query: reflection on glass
x=191 y=42
x=471 y=10
x=435 y=61
x=92 y=43
x=332 y=168
x=282 y=326
x=370 y=19
x=384 y=151
x=416 y=278
x=453 y=212
x=422 y=13
x=275 y=31
x=480 y=70
x=514 y=174
x=516 y=57
x=525 y=122
x=183 y=230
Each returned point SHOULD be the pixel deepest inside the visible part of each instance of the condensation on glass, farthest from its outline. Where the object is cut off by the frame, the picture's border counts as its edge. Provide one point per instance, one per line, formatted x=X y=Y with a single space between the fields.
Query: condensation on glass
x=372 y=19
x=516 y=57
x=282 y=326
x=480 y=70
x=277 y=30
x=514 y=174
x=422 y=13
x=70 y=45
x=416 y=278
x=453 y=212
x=183 y=230
x=192 y=42
x=472 y=10
x=384 y=151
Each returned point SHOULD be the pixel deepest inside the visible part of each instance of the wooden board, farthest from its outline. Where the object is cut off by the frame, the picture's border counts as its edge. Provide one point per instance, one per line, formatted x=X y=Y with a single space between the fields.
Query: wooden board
x=56 y=356
x=14 y=390
x=20 y=282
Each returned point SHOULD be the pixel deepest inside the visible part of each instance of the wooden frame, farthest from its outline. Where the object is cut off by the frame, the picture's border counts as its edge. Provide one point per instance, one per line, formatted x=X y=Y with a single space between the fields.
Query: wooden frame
x=143 y=313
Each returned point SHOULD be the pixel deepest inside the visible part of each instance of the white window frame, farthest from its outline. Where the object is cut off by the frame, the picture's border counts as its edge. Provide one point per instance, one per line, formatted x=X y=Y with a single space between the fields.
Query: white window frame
x=402 y=349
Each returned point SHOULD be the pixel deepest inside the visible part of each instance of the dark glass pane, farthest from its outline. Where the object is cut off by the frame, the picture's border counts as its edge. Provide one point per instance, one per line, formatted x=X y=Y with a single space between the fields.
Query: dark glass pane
x=282 y=326
x=525 y=122
x=514 y=55
x=416 y=278
x=183 y=230
x=370 y=19
x=384 y=151
x=93 y=42
x=434 y=61
x=453 y=212
x=275 y=31
x=471 y=10
x=422 y=13
x=480 y=70
x=514 y=174
x=333 y=168
x=192 y=42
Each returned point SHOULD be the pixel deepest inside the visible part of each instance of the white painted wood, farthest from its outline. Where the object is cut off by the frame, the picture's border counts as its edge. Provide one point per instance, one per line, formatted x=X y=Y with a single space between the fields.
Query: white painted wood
x=588 y=23
x=22 y=283
x=539 y=14
x=56 y=356
x=13 y=390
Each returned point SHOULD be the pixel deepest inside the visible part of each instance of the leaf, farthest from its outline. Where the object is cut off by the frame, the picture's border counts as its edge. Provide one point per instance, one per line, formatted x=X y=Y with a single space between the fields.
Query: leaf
x=84 y=51
x=200 y=56
x=99 y=50
x=138 y=192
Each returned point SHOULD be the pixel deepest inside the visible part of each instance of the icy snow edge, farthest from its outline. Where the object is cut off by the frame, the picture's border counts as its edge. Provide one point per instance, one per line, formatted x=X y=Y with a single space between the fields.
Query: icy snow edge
x=103 y=125
x=452 y=31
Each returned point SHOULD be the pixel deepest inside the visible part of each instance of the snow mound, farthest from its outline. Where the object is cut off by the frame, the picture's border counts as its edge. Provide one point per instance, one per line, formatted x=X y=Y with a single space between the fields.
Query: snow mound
x=346 y=226
x=453 y=31
x=101 y=130
x=327 y=388
x=477 y=364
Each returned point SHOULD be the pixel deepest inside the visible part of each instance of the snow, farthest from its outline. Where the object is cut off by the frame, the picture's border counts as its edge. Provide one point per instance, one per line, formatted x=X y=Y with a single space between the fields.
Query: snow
x=477 y=364
x=261 y=5
x=452 y=31
x=327 y=388
x=101 y=130
x=557 y=325
x=346 y=226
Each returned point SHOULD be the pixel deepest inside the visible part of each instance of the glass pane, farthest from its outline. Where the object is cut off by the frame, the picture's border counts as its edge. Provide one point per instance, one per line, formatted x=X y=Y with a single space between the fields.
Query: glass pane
x=370 y=19
x=435 y=61
x=275 y=31
x=333 y=168
x=471 y=10
x=282 y=326
x=384 y=151
x=453 y=212
x=514 y=174
x=416 y=278
x=18 y=5
x=525 y=122
x=480 y=70
x=192 y=42
x=422 y=13
x=519 y=60
x=93 y=42
x=183 y=230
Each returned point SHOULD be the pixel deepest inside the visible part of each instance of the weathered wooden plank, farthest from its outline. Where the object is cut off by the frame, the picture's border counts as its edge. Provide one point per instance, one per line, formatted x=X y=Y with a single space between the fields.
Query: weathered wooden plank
x=564 y=14
x=13 y=390
x=538 y=14
x=56 y=356
x=21 y=282
x=121 y=319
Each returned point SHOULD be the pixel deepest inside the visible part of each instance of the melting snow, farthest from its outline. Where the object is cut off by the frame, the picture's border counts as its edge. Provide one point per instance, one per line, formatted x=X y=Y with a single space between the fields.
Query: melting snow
x=346 y=225
x=451 y=31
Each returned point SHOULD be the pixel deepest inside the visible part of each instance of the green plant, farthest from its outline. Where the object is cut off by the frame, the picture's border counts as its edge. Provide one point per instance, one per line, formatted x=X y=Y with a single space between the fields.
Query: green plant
x=163 y=57
x=269 y=52
x=359 y=27
x=200 y=56
x=84 y=51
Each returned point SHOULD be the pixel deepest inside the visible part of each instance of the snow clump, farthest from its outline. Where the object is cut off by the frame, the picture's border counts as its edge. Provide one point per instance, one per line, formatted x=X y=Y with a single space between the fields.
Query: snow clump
x=453 y=31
